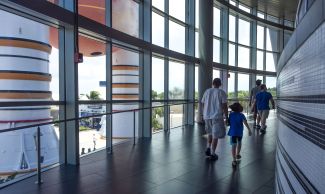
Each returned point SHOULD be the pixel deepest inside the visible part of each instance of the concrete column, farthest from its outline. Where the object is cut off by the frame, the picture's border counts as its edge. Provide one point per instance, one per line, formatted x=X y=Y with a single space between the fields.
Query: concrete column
x=205 y=47
x=190 y=67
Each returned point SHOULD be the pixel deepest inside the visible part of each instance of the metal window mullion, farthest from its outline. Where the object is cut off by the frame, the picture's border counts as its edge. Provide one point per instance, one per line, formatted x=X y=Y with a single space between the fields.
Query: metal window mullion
x=109 y=80
x=190 y=67
x=145 y=71
x=166 y=69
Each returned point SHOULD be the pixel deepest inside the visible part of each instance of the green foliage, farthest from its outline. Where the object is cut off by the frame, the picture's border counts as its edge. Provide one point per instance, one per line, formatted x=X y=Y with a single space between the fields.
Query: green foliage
x=157 y=112
x=93 y=95
x=176 y=93
x=83 y=128
x=156 y=96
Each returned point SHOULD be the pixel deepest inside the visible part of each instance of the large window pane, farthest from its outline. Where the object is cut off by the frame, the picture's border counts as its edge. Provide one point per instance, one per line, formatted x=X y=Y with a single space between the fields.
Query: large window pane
x=196 y=82
x=272 y=40
x=176 y=115
x=197 y=44
x=216 y=50
x=92 y=71
x=243 y=57
x=197 y=14
x=260 y=77
x=231 y=85
x=232 y=55
x=177 y=9
x=244 y=32
x=160 y=4
x=158 y=71
x=216 y=21
x=271 y=61
x=260 y=37
x=216 y=73
x=176 y=37
x=260 y=60
x=158 y=30
x=94 y=10
x=243 y=85
x=271 y=85
x=244 y=8
x=176 y=80
x=125 y=87
x=125 y=16
x=232 y=28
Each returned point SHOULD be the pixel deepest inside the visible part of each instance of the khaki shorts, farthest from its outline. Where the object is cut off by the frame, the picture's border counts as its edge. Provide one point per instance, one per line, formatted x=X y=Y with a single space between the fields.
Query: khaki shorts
x=264 y=114
x=215 y=127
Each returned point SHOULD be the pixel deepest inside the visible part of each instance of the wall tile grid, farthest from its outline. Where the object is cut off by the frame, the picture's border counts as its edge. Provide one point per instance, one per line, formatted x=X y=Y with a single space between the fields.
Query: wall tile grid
x=301 y=134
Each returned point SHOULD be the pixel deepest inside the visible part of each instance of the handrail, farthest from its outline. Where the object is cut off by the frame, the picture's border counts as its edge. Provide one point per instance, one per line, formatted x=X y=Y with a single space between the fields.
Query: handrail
x=86 y=117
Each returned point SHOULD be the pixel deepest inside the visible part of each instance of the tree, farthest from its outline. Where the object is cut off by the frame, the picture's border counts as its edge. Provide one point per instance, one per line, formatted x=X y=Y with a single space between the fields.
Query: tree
x=93 y=95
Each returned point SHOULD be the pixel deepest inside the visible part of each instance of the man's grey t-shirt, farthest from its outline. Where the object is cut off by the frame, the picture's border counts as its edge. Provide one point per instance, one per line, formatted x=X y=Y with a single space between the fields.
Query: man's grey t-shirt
x=254 y=91
x=213 y=99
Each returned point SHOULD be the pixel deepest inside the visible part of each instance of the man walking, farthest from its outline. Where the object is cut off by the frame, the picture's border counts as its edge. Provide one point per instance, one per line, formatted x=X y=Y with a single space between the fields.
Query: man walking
x=262 y=102
x=254 y=91
x=214 y=103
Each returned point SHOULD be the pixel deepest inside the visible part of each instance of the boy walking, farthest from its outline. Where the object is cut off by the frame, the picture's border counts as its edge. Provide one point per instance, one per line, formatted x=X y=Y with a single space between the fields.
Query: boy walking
x=236 y=120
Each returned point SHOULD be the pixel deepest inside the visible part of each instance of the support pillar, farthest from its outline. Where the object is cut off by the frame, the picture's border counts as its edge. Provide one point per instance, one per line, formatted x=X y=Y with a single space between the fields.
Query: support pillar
x=205 y=48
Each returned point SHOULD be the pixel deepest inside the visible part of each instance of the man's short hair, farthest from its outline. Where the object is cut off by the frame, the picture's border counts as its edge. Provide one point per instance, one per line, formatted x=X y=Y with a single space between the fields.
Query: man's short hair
x=216 y=82
x=258 y=82
x=263 y=87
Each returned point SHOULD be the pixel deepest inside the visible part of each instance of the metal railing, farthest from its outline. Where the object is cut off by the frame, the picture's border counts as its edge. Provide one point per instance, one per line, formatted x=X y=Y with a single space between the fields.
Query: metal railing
x=167 y=105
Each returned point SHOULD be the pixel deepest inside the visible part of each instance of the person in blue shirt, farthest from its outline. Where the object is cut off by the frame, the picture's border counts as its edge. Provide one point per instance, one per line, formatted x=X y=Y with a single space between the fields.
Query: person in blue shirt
x=236 y=120
x=262 y=101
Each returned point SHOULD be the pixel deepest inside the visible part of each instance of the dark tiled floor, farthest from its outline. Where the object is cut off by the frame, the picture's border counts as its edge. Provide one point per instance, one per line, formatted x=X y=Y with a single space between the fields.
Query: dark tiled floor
x=171 y=163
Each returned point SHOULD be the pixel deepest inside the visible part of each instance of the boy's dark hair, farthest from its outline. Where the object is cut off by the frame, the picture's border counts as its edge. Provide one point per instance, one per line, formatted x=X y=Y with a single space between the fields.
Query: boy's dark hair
x=236 y=107
x=258 y=82
x=216 y=82
x=263 y=87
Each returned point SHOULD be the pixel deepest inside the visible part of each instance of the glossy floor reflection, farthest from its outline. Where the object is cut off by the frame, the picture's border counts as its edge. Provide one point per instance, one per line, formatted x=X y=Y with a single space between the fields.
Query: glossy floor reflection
x=171 y=163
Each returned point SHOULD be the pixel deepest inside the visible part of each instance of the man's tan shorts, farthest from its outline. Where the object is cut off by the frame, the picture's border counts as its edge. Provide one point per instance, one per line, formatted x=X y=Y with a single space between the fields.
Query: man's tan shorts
x=215 y=127
x=264 y=114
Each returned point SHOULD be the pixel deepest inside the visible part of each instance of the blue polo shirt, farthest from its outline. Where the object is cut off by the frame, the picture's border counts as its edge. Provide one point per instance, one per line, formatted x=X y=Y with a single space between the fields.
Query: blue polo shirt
x=236 y=120
x=262 y=100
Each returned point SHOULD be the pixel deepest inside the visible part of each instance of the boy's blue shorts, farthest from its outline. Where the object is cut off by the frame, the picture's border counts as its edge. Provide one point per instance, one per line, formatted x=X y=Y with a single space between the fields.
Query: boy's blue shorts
x=234 y=140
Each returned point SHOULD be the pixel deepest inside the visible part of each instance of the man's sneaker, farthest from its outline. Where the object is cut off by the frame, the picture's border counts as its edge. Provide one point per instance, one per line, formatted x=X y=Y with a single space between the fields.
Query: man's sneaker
x=208 y=152
x=263 y=131
x=214 y=157
x=234 y=163
x=238 y=157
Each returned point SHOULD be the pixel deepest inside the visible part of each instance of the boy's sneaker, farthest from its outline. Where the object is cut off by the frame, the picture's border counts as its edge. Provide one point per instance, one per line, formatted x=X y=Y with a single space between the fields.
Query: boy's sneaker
x=263 y=130
x=208 y=152
x=258 y=126
x=214 y=157
x=234 y=163
x=238 y=157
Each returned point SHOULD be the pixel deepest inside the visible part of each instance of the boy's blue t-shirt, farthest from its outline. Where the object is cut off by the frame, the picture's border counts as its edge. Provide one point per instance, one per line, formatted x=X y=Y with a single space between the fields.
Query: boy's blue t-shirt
x=262 y=100
x=236 y=120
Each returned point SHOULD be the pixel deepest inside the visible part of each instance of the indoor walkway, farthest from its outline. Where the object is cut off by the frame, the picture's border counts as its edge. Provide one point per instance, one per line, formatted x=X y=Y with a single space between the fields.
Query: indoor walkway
x=171 y=163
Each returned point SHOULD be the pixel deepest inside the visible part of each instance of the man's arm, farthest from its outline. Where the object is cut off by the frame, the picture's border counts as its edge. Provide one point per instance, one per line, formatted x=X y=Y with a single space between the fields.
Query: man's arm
x=249 y=129
x=250 y=98
x=273 y=103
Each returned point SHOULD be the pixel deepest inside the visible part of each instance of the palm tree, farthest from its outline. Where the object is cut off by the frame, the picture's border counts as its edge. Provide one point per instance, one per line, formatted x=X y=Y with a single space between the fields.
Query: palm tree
x=93 y=95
